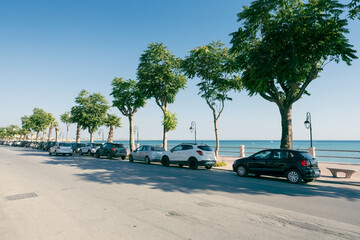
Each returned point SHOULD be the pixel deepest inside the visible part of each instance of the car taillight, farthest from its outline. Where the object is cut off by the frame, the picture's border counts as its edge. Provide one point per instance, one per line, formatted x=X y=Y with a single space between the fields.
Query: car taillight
x=200 y=153
x=113 y=149
x=305 y=163
x=58 y=147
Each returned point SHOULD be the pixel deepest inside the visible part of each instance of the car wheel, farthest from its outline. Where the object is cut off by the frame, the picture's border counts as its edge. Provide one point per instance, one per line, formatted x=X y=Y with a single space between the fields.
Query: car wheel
x=56 y=154
x=89 y=152
x=165 y=161
x=50 y=153
x=293 y=176
x=109 y=156
x=181 y=165
x=193 y=163
x=123 y=157
x=131 y=159
x=81 y=153
x=147 y=160
x=241 y=171
x=98 y=154
x=208 y=167
x=70 y=154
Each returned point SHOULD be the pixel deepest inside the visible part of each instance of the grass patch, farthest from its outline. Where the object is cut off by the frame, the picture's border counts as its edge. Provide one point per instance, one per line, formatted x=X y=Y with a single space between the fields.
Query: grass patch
x=220 y=164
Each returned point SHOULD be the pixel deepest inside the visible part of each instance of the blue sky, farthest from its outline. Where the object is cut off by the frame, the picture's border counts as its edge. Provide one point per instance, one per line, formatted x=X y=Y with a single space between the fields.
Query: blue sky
x=50 y=50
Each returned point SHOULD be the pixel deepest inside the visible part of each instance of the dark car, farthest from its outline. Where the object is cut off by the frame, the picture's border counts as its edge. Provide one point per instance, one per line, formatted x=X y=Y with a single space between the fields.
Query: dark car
x=111 y=150
x=292 y=164
x=48 y=145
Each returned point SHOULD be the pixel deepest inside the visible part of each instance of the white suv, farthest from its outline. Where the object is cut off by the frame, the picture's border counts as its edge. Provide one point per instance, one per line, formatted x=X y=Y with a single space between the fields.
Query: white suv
x=190 y=154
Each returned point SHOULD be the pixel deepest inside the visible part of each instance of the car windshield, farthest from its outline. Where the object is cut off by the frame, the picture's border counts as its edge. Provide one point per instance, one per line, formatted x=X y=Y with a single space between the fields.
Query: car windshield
x=65 y=144
x=205 y=148
x=97 y=144
x=118 y=145
x=157 y=149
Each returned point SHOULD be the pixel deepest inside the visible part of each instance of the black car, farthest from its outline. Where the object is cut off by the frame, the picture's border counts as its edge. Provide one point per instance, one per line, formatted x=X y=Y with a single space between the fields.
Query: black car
x=111 y=150
x=292 y=164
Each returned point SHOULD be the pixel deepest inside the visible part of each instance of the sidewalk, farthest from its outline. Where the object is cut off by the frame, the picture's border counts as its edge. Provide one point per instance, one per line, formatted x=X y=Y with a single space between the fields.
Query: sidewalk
x=326 y=175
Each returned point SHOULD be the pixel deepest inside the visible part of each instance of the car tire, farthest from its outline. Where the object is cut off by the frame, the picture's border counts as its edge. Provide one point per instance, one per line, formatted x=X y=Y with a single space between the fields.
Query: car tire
x=131 y=158
x=109 y=156
x=241 y=171
x=293 y=176
x=70 y=154
x=181 y=165
x=81 y=153
x=91 y=154
x=123 y=157
x=165 y=161
x=56 y=154
x=147 y=160
x=208 y=167
x=88 y=153
x=98 y=154
x=50 y=153
x=193 y=164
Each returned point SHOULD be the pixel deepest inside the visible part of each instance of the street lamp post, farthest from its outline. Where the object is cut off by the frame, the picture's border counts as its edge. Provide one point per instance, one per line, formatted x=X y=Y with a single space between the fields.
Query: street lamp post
x=308 y=125
x=136 y=129
x=193 y=128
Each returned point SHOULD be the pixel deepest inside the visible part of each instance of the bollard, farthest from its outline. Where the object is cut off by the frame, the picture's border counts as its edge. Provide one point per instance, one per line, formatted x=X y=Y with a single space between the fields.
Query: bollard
x=312 y=151
x=242 y=151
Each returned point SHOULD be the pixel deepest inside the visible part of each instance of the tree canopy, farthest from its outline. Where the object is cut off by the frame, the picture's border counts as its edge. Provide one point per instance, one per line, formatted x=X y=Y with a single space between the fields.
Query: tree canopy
x=90 y=111
x=282 y=46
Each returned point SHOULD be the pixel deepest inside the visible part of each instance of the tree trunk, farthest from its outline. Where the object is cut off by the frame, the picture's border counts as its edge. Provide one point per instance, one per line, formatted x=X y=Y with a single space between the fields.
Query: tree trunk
x=286 y=127
x=111 y=134
x=78 y=130
x=165 y=131
x=50 y=133
x=67 y=132
x=37 y=136
x=91 y=136
x=43 y=136
x=131 y=132
x=57 y=130
x=216 y=136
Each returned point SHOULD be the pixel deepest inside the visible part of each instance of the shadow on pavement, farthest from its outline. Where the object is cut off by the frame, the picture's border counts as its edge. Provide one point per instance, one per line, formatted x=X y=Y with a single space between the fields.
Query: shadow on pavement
x=175 y=179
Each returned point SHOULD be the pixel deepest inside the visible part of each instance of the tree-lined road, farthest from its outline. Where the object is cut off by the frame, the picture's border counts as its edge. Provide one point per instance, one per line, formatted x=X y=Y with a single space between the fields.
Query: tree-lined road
x=56 y=197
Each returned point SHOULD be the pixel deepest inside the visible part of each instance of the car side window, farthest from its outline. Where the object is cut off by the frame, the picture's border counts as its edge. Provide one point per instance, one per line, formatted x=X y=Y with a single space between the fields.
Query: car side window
x=178 y=148
x=279 y=154
x=187 y=147
x=263 y=155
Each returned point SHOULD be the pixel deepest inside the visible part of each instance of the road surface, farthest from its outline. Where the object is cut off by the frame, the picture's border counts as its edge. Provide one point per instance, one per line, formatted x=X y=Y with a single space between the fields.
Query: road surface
x=81 y=197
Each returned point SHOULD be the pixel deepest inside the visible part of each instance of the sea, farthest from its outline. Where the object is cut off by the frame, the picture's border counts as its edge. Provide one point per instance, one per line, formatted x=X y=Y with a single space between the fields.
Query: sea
x=325 y=151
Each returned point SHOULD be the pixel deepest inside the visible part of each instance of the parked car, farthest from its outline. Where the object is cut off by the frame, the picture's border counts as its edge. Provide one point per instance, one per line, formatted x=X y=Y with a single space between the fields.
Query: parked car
x=292 y=164
x=76 y=146
x=48 y=145
x=111 y=150
x=192 y=155
x=147 y=154
x=90 y=148
x=61 y=148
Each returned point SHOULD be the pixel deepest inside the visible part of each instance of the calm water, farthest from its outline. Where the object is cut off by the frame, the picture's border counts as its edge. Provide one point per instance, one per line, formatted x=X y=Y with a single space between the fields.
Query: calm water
x=231 y=148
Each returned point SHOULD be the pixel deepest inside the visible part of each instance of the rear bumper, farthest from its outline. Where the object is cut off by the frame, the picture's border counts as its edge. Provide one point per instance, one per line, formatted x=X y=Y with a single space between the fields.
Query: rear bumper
x=311 y=173
x=207 y=163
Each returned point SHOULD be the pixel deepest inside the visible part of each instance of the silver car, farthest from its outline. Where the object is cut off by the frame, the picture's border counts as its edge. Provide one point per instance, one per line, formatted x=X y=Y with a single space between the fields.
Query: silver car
x=147 y=154
x=61 y=148
x=90 y=148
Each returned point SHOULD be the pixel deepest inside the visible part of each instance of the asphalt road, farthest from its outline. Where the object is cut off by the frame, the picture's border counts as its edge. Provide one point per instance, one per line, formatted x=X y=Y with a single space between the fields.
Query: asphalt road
x=81 y=197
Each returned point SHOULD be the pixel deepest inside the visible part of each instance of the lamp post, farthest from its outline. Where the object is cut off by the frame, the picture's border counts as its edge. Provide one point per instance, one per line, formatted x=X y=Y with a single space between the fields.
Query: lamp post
x=136 y=130
x=308 y=125
x=193 y=128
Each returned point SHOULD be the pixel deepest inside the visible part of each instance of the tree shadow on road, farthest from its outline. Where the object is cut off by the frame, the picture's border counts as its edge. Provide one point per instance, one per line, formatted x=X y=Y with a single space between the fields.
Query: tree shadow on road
x=176 y=179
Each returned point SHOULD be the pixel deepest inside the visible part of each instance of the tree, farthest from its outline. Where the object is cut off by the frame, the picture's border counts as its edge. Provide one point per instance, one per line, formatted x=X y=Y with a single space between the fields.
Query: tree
x=128 y=99
x=170 y=121
x=39 y=121
x=354 y=11
x=27 y=125
x=211 y=63
x=57 y=130
x=52 y=122
x=66 y=118
x=160 y=77
x=75 y=117
x=112 y=121
x=283 y=45
x=90 y=111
